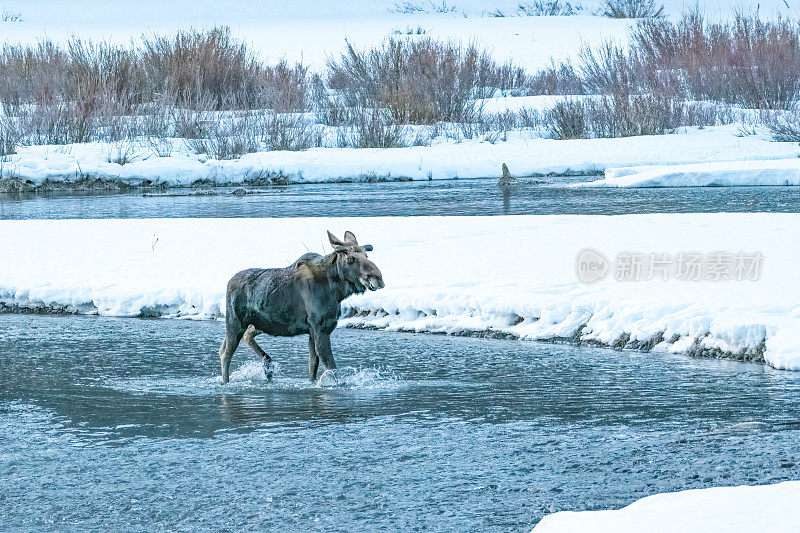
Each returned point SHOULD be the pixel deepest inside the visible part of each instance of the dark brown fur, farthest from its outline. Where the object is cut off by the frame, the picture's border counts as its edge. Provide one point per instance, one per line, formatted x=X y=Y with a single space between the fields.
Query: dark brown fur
x=303 y=298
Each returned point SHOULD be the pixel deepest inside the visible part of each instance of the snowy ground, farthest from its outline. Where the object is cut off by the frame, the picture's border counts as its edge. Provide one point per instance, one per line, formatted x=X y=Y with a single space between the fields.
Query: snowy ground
x=524 y=155
x=721 y=173
x=310 y=30
x=502 y=275
x=770 y=508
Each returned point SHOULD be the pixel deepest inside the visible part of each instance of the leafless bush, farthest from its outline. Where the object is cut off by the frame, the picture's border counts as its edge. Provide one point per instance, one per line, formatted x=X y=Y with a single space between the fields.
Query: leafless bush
x=194 y=63
x=568 y=120
x=610 y=69
x=622 y=114
x=561 y=79
x=191 y=67
x=59 y=123
x=419 y=82
x=746 y=61
x=8 y=15
x=231 y=136
x=430 y=6
x=632 y=9
x=549 y=8
x=370 y=128
x=785 y=126
x=288 y=132
x=10 y=136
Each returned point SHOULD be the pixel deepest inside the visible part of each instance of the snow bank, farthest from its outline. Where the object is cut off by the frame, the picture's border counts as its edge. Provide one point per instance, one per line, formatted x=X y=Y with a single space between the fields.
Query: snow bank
x=770 y=508
x=719 y=173
x=446 y=160
x=510 y=276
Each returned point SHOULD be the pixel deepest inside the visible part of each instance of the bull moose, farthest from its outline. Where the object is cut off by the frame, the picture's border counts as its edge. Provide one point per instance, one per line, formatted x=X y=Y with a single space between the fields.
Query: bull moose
x=303 y=298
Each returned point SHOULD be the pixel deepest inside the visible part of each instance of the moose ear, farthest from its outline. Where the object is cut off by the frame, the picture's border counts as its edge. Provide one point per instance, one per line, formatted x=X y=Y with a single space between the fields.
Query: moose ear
x=334 y=240
x=367 y=247
x=349 y=237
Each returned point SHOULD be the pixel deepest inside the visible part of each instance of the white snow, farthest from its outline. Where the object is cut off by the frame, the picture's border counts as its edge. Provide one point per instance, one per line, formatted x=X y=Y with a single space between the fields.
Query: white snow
x=514 y=275
x=718 y=173
x=311 y=31
x=445 y=160
x=742 y=509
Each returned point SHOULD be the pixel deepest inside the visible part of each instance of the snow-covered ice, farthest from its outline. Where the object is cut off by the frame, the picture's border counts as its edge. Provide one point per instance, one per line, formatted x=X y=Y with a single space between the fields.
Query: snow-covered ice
x=446 y=160
x=507 y=275
x=742 y=509
x=718 y=173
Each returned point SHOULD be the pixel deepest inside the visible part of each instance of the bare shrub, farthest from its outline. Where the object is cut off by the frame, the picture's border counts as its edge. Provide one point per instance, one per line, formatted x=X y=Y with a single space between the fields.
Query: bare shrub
x=430 y=6
x=370 y=128
x=204 y=63
x=785 y=127
x=549 y=8
x=568 y=120
x=59 y=123
x=418 y=82
x=561 y=79
x=32 y=74
x=632 y=9
x=7 y=15
x=288 y=132
x=622 y=114
x=233 y=135
x=10 y=136
x=746 y=61
x=610 y=68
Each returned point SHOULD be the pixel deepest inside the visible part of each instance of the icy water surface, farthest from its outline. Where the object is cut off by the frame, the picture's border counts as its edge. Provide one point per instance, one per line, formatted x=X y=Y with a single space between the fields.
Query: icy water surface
x=453 y=197
x=122 y=424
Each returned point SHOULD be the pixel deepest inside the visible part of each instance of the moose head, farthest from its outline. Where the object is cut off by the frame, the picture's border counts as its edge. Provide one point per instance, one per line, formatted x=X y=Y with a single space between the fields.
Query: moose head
x=352 y=265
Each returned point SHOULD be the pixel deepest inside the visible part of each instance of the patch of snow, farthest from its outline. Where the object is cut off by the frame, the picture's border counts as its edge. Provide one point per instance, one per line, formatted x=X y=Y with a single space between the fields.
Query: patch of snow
x=509 y=275
x=770 y=508
x=443 y=160
x=718 y=173
x=311 y=31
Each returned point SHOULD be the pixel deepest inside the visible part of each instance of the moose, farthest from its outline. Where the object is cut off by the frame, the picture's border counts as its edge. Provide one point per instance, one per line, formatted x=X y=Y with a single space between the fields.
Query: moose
x=303 y=298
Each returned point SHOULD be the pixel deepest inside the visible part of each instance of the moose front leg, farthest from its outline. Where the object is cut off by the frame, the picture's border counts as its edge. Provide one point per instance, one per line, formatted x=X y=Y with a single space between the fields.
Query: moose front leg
x=313 y=360
x=322 y=345
x=250 y=338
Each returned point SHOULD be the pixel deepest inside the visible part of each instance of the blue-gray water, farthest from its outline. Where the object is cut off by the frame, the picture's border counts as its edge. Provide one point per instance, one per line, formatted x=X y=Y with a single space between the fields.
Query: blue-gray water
x=455 y=197
x=122 y=424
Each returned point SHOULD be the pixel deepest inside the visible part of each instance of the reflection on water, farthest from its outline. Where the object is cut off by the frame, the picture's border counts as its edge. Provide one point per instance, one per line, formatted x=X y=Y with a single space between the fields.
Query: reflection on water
x=453 y=197
x=123 y=423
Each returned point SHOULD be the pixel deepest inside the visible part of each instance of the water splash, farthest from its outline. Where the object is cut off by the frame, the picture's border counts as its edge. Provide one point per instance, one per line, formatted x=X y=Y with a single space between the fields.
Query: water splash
x=250 y=377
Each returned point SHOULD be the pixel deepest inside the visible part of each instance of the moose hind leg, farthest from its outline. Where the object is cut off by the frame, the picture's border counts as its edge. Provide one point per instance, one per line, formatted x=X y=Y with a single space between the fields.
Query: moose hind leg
x=250 y=339
x=229 y=346
x=313 y=360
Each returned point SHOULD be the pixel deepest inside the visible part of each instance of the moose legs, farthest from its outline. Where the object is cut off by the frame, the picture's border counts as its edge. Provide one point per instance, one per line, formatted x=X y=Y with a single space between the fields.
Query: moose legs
x=319 y=349
x=233 y=336
x=250 y=338
x=313 y=360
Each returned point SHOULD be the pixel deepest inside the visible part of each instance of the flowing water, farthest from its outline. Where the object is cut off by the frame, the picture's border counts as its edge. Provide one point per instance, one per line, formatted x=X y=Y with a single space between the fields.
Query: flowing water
x=453 y=197
x=109 y=424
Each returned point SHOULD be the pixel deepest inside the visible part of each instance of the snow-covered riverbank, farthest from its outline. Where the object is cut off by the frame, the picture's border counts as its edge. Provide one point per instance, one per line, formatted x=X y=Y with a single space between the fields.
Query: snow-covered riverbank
x=742 y=509
x=716 y=174
x=512 y=276
x=525 y=156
